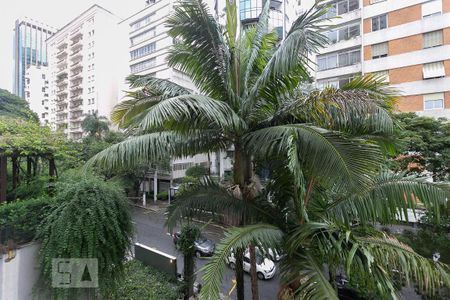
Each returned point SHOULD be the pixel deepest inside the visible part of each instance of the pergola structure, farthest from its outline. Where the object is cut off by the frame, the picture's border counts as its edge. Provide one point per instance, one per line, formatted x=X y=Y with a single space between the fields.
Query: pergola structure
x=24 y=144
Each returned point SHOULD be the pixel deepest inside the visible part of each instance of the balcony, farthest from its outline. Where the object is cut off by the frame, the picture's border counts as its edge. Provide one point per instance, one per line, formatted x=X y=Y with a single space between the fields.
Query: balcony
x=61 y=92
x=76 y=83
x=61 y=47
x=61 y=109
x=62 y=70
x=76 y=51
x=76 y=75
x=76 y=34
x=61 y=83
x=76 y=43
x=76 y=117
x=62 y=53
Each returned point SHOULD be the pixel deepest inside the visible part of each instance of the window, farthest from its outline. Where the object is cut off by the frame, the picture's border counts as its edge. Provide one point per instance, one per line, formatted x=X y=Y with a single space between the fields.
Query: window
x=433 y=101
x=380 y=50
x=43 y=76
x=379 y=22
x=433 y=70
x=43 y=89
x=144 y=65
x=92 y=101
x=142 y=22
x=341 y=59
x=336 y=82
x=143 y=51
x=340 y=8
x=344 y=33
x=432 y=39
x=431 y=8
x=143 y=36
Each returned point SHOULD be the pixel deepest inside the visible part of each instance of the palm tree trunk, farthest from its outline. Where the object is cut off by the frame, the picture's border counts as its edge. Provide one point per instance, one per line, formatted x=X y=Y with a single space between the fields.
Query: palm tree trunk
x=189 y=275
x=239 y=272
x=253 y=273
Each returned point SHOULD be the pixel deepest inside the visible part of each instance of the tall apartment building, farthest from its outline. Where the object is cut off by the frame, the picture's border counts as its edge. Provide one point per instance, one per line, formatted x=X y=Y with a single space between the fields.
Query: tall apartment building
x=406 y=40
x=37 y=89
x=31 y=65
x=84 y=75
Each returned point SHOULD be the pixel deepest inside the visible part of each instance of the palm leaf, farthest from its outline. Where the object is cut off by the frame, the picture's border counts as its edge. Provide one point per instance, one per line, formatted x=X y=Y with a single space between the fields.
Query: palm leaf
x=264 y=235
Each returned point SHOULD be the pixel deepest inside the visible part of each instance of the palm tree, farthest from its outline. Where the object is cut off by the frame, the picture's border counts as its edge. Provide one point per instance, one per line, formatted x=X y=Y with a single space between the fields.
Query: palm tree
x=95 y=125
x=255 y=98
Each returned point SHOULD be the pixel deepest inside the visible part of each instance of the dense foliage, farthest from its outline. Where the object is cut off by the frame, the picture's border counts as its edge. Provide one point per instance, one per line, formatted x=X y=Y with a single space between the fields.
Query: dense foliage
x=15 y=107
x=197 y=171
x=95 y=125
x=19 y=220
x=424 y=146
x=92 y=220
x=144 y=282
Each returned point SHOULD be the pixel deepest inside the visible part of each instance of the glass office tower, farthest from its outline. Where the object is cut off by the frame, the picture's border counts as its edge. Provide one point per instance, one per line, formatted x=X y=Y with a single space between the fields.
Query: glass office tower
x=30 y=48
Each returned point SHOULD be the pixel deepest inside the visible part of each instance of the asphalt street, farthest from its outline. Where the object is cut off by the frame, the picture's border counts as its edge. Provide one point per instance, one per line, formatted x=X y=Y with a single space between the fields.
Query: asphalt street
x=150 y=231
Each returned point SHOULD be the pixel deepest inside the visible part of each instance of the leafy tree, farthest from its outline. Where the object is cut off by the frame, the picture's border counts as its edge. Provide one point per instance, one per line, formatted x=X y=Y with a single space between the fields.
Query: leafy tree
x=92 y=220
x=95 y=125
x=322 y=145
x=13 y=106
x=425 y=145
x=196 y=171
x=185 y=244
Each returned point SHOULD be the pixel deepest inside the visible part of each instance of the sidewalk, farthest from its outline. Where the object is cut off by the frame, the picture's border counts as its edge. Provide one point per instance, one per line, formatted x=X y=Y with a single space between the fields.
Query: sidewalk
x=158 y=206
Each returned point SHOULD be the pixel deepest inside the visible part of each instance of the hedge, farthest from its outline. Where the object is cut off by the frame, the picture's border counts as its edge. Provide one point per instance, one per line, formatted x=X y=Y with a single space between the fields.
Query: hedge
x=20 y=219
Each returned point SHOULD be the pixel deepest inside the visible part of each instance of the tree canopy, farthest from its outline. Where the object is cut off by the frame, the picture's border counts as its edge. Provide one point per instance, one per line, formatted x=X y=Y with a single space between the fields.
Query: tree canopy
x=14 y=106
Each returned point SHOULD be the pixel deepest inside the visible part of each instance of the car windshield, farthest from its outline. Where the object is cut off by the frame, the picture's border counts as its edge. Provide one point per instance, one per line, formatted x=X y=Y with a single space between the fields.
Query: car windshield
x=259 y=259
x=201 y=239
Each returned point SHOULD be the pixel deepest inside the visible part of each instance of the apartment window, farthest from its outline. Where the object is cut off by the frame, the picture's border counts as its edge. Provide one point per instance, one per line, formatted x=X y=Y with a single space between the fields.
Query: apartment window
x=379 y=22
x=339 y=59
x=142 y=22
x=341 y=7
x=380 y=50
x=143 y=36
x=43 y=76
x=89 y=90
x=43 y=89
x=433 y=70
x=433 y=39
x=147 y=49
x=144 y=65
x=344 y=33
x=92 y=101
x=431 y=8
x=335 y=82
x=433 y=101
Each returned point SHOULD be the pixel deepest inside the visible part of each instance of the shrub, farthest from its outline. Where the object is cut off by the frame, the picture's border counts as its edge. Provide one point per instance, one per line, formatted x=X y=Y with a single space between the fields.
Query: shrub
x=197 y=171
x=143 y=282
x=162 y=195
x=92 y=220
x=20 y=219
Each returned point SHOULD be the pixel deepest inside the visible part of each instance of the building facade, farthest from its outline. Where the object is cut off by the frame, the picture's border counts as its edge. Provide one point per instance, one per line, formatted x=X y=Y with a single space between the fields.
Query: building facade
x=84 y=75
x=31 y=58
x=37 y=89
x=407 y=41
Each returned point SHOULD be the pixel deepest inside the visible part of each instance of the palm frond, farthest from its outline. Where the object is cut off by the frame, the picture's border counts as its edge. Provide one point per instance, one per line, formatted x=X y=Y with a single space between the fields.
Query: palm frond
x=264 y=235
x=324 y=154
x=211 y=199
x=388 y=199
x=200 y=48
x=194 y=109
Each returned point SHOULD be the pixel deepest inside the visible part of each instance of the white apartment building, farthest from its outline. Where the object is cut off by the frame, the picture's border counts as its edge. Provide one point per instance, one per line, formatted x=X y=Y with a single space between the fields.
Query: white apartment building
x=407 y=41
x=84 y=73
x=37 y=89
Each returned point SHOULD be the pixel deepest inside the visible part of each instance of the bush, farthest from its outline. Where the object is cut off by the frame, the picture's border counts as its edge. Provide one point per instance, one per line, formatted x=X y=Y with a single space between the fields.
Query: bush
x=197 y=171
x=143 y=282
x=20 y=219
x=92 y=220
x=162 y=195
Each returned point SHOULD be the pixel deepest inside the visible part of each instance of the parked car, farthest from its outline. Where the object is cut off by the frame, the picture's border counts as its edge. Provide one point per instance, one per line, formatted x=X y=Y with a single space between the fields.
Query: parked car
x=203 y=246
x=265 y=268
x=272 y=254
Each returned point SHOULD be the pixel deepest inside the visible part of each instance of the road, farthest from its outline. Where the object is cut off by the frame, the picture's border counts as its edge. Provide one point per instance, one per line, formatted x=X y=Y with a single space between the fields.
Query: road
x=150 y=231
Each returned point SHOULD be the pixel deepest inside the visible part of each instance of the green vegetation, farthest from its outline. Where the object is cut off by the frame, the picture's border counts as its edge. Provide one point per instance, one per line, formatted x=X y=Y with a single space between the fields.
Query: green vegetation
x=324 y=150
x=197 y=171
x=92 y=220
x=424 y=146
x=185 y=244
x=162 y=195
x=95 y=126
x=13 y=106
x=19 y=220
x=143 y=282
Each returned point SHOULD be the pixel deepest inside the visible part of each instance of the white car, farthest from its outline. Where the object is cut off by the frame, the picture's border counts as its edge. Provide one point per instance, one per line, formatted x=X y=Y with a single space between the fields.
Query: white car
x=265 y=268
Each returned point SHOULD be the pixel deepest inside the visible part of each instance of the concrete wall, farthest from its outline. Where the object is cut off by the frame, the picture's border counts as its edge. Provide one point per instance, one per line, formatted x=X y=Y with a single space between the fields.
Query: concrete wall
x=18 y=276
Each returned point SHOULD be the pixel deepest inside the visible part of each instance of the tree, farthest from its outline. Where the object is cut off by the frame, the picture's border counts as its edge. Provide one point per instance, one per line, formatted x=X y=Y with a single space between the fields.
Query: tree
x=255 y=97
x=92 y=220
x=185 y=244
x=95 y=125
x=196 y=171
x=425 y=145
x=13 y=106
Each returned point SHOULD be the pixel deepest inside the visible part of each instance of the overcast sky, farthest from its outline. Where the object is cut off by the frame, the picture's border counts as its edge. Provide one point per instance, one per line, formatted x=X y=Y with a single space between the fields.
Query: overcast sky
x=55 y=13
